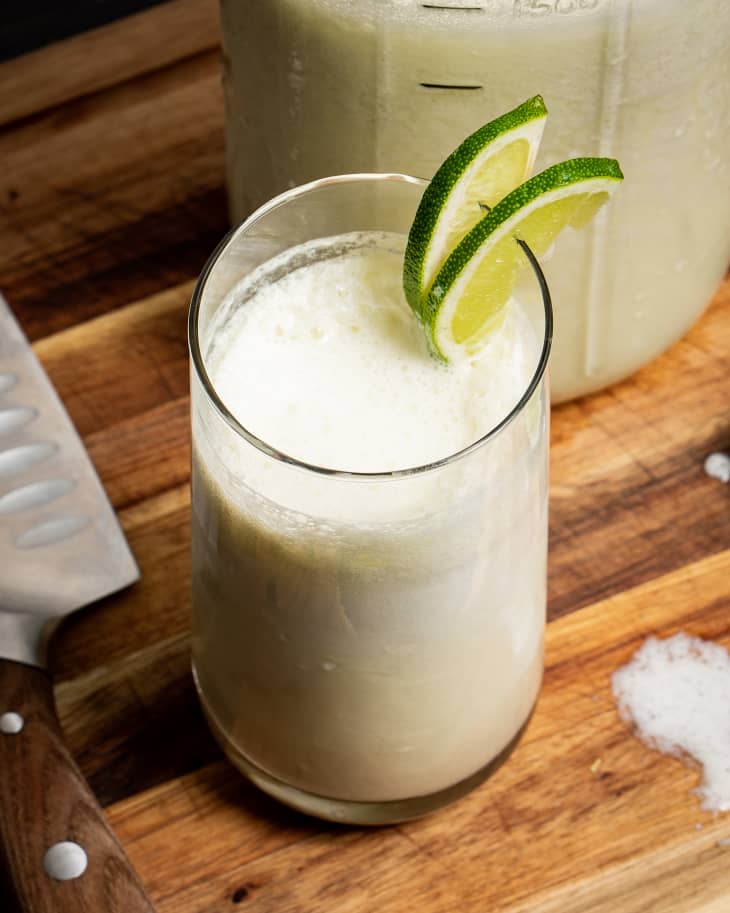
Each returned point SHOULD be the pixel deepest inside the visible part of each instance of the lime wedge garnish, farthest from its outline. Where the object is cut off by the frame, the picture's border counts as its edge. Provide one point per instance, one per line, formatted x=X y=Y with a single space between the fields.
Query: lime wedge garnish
x=467 y=298
x=485 y=168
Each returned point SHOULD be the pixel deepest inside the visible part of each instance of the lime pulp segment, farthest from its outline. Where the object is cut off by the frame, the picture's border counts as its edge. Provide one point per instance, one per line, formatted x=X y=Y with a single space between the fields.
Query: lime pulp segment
x=480 y=172
x=468 y=295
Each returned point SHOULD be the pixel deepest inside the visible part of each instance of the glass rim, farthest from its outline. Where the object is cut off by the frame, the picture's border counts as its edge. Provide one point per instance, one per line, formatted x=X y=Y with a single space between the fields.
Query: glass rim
x=279 y=456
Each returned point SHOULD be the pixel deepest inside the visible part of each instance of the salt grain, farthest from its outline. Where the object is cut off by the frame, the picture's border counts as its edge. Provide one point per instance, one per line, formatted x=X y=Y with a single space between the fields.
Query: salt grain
x=676 y=692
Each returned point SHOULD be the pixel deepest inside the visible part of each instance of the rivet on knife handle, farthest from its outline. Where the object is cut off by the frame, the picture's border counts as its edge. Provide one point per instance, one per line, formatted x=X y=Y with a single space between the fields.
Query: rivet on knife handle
x=55 y=842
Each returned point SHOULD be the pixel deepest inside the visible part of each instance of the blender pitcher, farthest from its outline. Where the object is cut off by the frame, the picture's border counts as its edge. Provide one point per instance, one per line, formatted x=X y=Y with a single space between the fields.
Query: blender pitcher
x=316 y=87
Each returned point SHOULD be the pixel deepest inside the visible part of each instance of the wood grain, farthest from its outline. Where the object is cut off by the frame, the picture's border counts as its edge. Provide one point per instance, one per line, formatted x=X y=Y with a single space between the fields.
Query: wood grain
x=550 y=832
x=136 y=722
x=106 y=56
x=135 y=360
x=132 y=204
x=629 y=495
x=111 y=198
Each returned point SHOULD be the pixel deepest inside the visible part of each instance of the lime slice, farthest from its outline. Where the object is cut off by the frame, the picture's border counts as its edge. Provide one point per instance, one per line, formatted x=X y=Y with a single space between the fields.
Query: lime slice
x=468 y=295
x=486 y=167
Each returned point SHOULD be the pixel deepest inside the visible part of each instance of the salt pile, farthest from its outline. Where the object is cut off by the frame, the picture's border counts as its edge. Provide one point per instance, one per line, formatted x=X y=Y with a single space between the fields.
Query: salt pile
x=676 y=692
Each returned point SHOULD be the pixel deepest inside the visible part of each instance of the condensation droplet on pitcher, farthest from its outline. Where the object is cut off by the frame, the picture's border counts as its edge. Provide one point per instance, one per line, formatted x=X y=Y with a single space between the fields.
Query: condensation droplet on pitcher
x=711 y=161
x=400 y=649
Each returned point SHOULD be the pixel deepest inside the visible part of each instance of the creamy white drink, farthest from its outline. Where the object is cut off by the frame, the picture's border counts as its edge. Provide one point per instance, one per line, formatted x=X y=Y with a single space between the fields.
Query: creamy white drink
x=317 y=87
x=367 y=639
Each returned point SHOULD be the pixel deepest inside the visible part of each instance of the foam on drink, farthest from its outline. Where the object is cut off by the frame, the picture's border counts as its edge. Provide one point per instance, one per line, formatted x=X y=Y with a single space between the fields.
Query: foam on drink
x=349 y=381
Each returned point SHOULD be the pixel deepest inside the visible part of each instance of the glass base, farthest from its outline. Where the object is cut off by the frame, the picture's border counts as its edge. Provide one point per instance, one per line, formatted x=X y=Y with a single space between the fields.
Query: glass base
x=343 y=811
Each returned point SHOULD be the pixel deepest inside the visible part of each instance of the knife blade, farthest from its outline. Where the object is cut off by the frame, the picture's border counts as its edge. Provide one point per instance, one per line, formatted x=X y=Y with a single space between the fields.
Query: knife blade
x=61 y=548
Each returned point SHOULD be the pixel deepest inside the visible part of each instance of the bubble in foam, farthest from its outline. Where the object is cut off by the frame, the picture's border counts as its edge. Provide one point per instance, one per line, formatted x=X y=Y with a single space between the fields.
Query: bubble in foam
x=676 y=692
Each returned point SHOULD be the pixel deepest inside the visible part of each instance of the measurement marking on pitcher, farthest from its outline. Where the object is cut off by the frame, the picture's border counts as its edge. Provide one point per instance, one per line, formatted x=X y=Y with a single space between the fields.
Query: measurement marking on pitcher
x=439 y=85
x=458 y=9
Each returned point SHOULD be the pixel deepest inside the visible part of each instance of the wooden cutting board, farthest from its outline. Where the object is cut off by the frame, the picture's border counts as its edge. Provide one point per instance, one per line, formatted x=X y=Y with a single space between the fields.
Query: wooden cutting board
x=111 y=198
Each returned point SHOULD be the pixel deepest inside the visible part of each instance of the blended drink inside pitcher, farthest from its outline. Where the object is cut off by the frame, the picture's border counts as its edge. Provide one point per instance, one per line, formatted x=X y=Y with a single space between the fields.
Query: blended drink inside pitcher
x=368 y=639
x=391 y=85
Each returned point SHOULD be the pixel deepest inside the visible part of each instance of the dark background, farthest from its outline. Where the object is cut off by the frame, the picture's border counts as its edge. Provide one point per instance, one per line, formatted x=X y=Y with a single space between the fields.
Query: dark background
x=29 y=24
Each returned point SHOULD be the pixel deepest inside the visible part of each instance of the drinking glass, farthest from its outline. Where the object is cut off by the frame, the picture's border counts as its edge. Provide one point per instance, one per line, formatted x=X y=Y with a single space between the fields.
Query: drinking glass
x=367 y=646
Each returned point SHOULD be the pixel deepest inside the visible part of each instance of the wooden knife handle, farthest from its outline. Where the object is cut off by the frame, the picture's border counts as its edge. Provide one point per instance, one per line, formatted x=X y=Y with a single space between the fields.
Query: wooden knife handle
x=44 y=801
